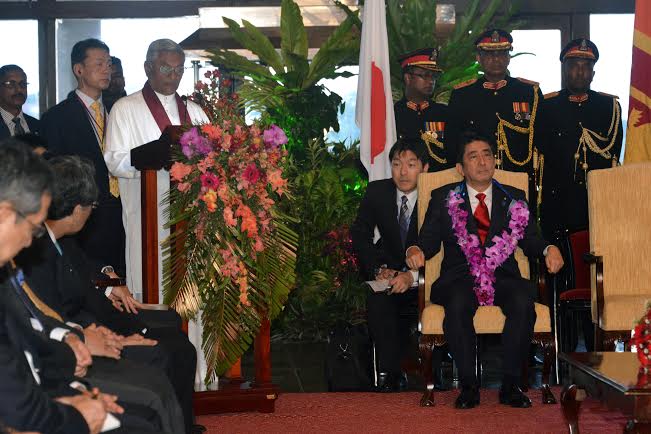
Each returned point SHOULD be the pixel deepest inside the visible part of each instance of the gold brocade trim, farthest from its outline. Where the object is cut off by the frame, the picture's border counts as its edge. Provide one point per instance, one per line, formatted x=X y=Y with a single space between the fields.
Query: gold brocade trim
x=588 y=140
x=502 y=142
x=431 y=137
x=539 y=181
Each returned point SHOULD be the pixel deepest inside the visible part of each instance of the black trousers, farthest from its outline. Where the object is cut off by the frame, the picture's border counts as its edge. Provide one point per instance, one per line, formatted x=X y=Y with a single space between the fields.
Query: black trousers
x=390 y=318
x=516 y=297
x=177 y=357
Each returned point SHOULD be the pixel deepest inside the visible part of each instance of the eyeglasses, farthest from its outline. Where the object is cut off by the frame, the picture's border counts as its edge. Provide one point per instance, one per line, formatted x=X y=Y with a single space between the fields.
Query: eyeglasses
x=426 y=77
x=94 y=205
x=167 y=70
x=15 y=84
x=37 y=230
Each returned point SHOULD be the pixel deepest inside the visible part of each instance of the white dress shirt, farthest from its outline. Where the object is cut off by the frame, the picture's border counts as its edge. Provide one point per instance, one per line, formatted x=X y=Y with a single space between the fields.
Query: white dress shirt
x=488 y=200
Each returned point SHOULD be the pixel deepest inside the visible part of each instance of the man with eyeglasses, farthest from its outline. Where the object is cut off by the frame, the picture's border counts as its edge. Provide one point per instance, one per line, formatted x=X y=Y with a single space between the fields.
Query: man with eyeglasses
x=13 y=94
x=76 y=126
x=138 y=119
x=417 y=116
x=499 y=107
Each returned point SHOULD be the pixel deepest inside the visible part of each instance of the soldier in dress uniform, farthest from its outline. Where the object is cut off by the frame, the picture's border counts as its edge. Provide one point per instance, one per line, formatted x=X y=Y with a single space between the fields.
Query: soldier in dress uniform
x=499 y=107
x=417 y=116
x=582 y=131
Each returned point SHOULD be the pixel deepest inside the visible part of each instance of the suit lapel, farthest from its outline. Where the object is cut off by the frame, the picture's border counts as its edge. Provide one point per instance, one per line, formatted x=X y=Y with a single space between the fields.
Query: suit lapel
x=471 y=224
x=499 y=210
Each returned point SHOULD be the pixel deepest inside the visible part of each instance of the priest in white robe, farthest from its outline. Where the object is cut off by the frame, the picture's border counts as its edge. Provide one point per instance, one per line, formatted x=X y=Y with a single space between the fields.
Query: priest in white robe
x=137 y=119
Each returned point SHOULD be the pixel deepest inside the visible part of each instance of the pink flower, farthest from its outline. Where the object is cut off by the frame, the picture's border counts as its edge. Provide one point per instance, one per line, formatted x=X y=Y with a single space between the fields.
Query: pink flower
x=192 y=142
x=274 y=137
x=483 y=263
x=178 y=171
x=209 y=181
x=251 y=173
x=183 y=186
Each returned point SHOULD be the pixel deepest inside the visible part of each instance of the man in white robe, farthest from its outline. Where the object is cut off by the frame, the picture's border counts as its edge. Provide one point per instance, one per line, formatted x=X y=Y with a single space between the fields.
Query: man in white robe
x=135 y=120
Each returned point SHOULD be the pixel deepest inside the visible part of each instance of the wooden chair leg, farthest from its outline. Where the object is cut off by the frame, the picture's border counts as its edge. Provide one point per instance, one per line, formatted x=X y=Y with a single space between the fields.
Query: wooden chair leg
x=550 y=355
x=425 y=348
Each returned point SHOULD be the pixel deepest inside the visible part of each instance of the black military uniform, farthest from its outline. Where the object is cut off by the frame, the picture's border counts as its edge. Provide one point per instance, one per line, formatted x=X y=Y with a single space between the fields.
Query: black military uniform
x=504 y=111
x=425 y=120
x=581 y=133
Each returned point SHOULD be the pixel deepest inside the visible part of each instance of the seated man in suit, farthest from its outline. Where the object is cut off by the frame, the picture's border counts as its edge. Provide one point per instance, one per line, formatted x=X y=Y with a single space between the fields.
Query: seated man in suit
x=25 y=404
x=480 y=223
x=390 y=205
x=55 y=268
x=13 y=94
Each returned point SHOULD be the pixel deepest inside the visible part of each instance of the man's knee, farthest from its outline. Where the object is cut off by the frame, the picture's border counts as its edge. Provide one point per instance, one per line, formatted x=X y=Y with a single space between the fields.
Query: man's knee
x=461 y=304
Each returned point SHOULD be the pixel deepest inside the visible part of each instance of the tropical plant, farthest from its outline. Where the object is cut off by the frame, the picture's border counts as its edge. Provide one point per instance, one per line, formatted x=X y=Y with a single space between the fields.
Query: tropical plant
x=327 y=190
x=283 y=86
x=233 y=252
x=411 y=25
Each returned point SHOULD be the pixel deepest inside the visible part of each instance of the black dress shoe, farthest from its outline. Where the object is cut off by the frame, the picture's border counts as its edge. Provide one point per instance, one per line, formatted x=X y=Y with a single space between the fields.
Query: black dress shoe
x=198 y=429
x=388 y=382
x=468 y=398
x=513 y=396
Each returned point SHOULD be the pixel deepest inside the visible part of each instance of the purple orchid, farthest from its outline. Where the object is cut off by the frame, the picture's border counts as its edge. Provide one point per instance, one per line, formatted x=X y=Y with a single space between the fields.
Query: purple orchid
x=274 y=137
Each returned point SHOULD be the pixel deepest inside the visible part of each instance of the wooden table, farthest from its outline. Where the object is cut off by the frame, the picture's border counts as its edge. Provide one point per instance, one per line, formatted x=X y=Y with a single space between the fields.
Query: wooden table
x=614 y=378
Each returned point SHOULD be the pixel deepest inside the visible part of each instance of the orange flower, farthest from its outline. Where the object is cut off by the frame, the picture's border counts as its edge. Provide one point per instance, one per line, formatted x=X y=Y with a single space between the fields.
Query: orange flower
x=210 y=198
x=214 y=132
x=258 y=246
x=275 y=178
x=228 y=216
x=178 y=171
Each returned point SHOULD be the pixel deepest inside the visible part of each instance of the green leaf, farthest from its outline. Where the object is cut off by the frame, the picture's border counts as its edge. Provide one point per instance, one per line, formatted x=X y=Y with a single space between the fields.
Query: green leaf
x=263 y=47
x=293 y=36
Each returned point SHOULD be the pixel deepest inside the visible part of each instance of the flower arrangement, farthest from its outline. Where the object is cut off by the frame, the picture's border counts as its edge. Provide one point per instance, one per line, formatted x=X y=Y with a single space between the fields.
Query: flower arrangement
x=237 y=256
x=484 y=262
x=642 y=340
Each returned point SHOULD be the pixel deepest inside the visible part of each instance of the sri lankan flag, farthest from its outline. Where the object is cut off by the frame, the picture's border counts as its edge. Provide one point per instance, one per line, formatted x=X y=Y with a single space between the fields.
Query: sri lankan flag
x=638 y=133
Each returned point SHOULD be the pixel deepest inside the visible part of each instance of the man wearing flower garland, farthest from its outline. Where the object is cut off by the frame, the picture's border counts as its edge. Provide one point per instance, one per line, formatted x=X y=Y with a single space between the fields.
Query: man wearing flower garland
x=390 y=205
x=480 y=223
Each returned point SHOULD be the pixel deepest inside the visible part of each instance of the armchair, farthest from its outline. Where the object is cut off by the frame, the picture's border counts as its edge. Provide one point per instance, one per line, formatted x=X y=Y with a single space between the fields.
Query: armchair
x=488 y=319
x=619 y=207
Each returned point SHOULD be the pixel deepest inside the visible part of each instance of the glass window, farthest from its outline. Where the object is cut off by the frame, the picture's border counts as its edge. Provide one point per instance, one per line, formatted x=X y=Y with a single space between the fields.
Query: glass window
x=23 y=52
x=346 y=88
x=613 y=35
x=123 y=36
x=543 y=65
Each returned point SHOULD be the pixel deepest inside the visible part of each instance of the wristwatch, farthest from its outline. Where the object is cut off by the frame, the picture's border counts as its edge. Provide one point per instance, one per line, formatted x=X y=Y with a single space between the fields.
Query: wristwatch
x=107 y=269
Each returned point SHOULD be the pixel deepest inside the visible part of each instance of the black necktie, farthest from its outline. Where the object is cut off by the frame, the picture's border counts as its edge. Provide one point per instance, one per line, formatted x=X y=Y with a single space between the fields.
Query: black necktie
x=18 y=127
x=403 y=219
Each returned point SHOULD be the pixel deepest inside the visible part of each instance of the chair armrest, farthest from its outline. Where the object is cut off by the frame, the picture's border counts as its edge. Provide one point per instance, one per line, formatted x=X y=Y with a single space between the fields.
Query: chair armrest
x=104 y=283
x=152 y=306
x=542 y=284
x=591 y=258
x=421 y=293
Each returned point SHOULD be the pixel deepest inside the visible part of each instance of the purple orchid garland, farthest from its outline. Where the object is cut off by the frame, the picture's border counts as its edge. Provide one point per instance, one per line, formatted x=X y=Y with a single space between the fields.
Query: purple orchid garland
x=483 y=264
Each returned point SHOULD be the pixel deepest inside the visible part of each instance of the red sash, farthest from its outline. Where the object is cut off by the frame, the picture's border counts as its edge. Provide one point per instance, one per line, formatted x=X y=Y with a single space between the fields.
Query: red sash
x=157 y=110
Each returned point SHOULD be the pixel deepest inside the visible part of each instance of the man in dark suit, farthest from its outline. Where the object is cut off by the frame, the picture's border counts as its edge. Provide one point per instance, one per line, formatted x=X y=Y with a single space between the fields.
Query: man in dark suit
x=56 y=270
x=390 y=205
x=485 y=213
x=24 y=405
x=13 y=94
x=76 y=126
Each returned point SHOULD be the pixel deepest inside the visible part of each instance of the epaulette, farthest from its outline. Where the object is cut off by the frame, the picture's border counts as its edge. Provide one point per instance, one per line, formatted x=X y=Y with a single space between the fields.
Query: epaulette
x=465 y=83
x=607 y=94
x=531 y=82
x=551 y=95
